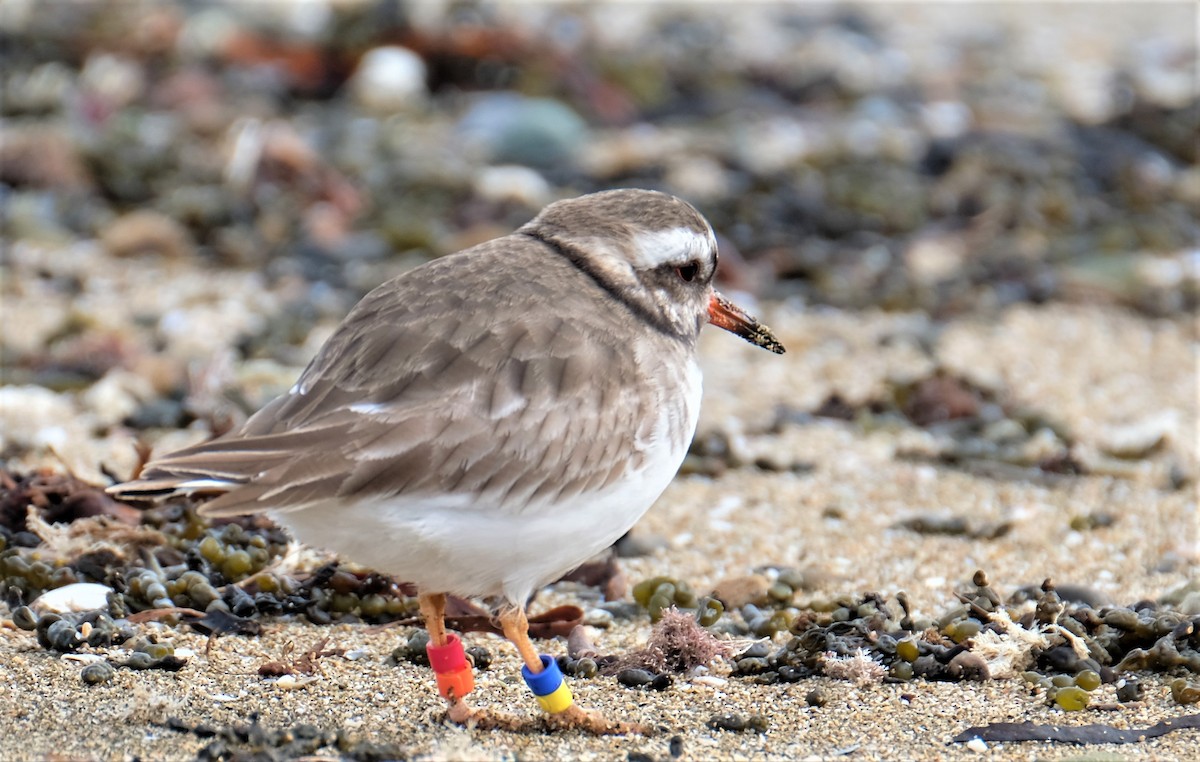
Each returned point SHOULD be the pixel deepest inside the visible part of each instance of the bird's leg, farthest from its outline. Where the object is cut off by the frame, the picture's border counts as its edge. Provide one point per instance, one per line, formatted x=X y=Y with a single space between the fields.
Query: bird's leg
x=557 y=702
x=453 y=672
x=433 y=611
x=516 y=629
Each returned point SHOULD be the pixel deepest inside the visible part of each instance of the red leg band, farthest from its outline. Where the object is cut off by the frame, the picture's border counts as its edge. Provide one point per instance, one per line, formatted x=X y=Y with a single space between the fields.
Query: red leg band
x=447 y=658
x=454 y=676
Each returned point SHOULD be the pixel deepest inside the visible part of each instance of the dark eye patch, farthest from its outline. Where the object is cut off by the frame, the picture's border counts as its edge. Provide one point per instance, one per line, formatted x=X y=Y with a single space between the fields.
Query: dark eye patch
x=689 y=271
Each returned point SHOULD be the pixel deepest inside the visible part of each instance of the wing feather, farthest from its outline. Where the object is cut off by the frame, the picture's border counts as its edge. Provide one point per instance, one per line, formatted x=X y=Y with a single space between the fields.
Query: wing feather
x=429 y=388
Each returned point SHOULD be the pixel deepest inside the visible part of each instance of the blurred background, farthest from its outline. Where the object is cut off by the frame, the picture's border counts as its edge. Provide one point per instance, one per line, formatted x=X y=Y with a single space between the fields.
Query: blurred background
x=194 y=193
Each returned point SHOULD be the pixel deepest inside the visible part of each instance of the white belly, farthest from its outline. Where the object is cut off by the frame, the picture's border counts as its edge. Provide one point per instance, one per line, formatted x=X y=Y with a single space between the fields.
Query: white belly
x=452 y=544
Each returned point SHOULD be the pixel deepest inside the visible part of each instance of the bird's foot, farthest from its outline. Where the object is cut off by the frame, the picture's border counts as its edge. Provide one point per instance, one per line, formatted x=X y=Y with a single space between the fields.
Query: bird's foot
x=462 y=713
x=577 y=718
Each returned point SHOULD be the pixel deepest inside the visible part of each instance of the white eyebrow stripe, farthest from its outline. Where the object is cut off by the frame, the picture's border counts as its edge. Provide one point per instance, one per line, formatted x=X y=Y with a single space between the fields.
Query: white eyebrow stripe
x=658 y=247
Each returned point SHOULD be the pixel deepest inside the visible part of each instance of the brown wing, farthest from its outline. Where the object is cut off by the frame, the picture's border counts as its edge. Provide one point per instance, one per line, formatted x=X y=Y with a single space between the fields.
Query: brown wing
x=446 y=380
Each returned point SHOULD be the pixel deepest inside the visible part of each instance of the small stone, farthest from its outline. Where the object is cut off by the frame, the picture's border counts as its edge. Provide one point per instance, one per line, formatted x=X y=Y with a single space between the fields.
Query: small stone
x=113 y=79
x=757 y=650
x=738 y=723
x=1072 y=698
x=1083 y=594
x=1129 y=690
x=24 y=618
x=514 y=129
x=138 y=660
x=389 y=79
x=622 y=609
x=512 y=182
x=751 y=666
x=599 y=618
x=97 y=672
x=480 y=657
x=675 y=747
x=699 y=178
x=36 y=417
x=1139 y=439
x=736 y=592
x=62 y=636
x=147 y=232
x=635 y=678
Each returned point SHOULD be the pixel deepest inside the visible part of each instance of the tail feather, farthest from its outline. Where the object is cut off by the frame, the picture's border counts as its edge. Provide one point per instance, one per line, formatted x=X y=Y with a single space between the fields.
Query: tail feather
x=211 y=468
x=249 y=469
x=246 y=474
x=162 y=487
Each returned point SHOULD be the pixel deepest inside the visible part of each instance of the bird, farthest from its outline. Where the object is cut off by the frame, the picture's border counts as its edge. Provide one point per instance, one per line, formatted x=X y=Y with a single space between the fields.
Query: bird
x=485 y=422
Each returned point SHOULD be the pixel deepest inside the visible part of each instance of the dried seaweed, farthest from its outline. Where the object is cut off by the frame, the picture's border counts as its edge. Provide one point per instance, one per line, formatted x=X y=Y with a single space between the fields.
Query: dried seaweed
x=677 y=644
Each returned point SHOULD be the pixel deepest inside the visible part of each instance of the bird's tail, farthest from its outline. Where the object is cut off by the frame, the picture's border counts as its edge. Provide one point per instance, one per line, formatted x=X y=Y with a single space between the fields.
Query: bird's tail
x=197 y=471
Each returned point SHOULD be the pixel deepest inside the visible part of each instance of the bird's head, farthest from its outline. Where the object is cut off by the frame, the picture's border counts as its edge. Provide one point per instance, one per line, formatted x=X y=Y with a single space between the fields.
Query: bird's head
x=653 y=252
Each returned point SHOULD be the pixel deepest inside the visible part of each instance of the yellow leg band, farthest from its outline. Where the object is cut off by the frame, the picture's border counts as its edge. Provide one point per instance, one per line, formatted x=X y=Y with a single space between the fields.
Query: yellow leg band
x=558 y=701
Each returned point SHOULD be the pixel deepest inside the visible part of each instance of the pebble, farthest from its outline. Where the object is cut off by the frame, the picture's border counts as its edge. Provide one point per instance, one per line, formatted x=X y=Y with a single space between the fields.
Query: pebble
x=62 y=636
x=481 y=658
x=512 y=182
x=115 y=80
x=635 y=677
x=736 y=592
x=774 y=144
x=756 y=650
x=147 y=232
x=1136 y=440
x=24 y=618
x=675 y=747
x=292 y=682
x=536 y=132
x=1130 y=689
x=118 y=395
x=700 y=179
x=35 y=417
x=623 y=610
x=389 y=79
x=43 y=88
x=97 y=672
x=738 y=723
x=596 y=617
x=638 y=678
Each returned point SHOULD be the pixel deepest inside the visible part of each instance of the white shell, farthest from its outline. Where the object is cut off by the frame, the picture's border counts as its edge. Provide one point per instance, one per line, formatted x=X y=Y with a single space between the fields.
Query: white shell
x=78 y=596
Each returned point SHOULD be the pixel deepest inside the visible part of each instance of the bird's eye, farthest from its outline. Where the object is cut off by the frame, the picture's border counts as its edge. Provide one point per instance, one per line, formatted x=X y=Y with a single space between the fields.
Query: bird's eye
x=689 y=271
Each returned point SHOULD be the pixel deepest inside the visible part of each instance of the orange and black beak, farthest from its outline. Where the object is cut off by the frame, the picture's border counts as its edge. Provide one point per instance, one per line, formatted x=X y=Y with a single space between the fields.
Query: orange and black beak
x=725 y=314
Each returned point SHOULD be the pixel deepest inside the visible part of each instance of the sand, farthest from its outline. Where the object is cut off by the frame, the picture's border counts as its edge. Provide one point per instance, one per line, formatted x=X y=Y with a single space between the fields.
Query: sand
x=1094 y=369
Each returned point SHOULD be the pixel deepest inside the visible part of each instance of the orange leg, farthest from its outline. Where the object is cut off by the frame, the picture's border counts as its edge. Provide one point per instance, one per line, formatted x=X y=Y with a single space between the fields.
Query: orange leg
x=516 y=629
x=433 y=610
